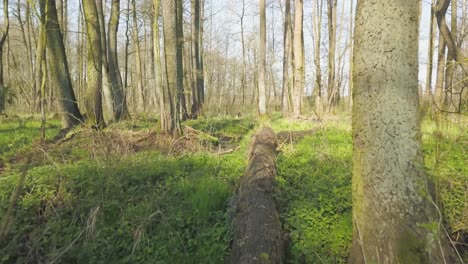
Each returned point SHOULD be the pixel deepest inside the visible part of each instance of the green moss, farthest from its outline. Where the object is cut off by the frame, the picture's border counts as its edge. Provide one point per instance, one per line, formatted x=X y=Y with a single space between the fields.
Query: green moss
x=411 y=249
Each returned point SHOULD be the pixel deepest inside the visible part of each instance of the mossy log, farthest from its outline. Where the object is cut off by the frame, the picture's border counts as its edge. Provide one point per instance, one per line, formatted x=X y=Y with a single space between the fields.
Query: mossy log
x=256 y=226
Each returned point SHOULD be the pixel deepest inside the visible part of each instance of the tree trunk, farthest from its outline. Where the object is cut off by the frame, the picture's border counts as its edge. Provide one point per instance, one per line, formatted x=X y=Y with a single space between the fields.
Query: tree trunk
x=182 y=102
x=262 y=65
x=256 y=227
x=58 y=68
x=286 y=52
x=298 y=49
x=430 y=56
x=163 y=99
x=317 y=6
x=395 y=218
x=351 y=52
x=173 y=75
x=120 y=102
x=138 y=68
x=196 y=63
x=93 y=102
x=439 y=85
x=332 y=89
x=451 y=63
x=106 y=89
x=3 y=36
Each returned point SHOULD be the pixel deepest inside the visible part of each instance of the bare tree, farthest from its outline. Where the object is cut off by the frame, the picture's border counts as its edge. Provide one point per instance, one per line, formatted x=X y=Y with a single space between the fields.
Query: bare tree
x=3 y=36
x=120 y=102
x=298 y=49
x=332 y=91
x=286 y=52
x=58 y=68
x=262 y=65
x=93 y=102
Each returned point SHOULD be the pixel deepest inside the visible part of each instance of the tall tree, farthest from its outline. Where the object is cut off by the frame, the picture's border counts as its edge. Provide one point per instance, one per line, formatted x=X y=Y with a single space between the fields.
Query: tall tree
x=120 y=102
x=93 y=101
x=58 y=67
x=182 y=102
x=106 y=88
x=317 y=29
x=390 y=186
x=286 y=52
x=174 y=77
x=262 y=65
x=298 y=49
x=451 y=63
x=430 y=55
x=332 y=91
x=440 y=77
x=138 y=62
x=198 y=82
x=3 y=36
x=163 y=99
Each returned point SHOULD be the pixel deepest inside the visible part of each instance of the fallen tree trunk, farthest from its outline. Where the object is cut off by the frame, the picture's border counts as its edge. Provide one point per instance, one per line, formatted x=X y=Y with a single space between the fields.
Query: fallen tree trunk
x=256 y=226
x=293 y=136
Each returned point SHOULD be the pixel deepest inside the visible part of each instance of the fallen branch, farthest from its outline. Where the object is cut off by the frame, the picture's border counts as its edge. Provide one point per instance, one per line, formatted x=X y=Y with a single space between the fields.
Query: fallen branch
x=293 y=136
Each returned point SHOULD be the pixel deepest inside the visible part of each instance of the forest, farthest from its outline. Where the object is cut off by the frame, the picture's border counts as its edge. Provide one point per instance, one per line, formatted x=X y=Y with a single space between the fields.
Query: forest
x=249 y=131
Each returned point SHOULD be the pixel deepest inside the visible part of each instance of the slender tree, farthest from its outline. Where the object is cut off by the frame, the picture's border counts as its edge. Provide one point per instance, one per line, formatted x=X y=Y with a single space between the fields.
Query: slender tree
x=198 y=85
x=286 y=52
x=317 y=29
x=298 y=49
x=333 y=90
x=163 y=97
x=430 y=55
x=262 y=65
x=451 y=63
x=3 y=36
x=115 y=79
x=93 y=101
x=395 y=217
x=138 y=61
x=173 y=75
x=58 y=67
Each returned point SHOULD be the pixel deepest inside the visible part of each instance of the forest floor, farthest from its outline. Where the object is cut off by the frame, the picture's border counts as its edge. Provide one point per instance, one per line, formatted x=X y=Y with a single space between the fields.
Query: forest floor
x=128 y=194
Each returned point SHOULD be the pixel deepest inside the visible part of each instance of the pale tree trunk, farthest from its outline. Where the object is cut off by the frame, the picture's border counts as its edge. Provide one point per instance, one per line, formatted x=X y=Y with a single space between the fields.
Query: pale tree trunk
x=106 y=89
x=115 y=79
x=138 y=68
x=40 y=73
x=430 y=55
x=163 y=99
x=182 y=102
x=58 y=68
x=244 y=63
x=262 y=65
x=440 y=77
x=298 y=49
x=332 y=92
x=317 y=34
x=27 y=46
x=201 y=88
x=171 y=50
x=451 y=63
x=93 y=102
x=3 y=36
x=286 y=52
x=351 y=51
x=395 y=218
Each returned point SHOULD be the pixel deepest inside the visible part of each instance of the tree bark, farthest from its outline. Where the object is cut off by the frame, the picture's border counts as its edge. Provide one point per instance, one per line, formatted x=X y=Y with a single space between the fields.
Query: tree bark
x=440 y=77
x=430 y=55
x=163 y=98
x=93 y=102
x=317 y=30
x=256 y=227
x=120 y=102
x=198 y=85
x=58 y=68
x=138 y=63
x=451 y=63
x=298 y=48
x=286 y=51
x=395 y=218
x=3 y=36
x=106 y=88
x=332 y=90
x=173 y=76
x=262 y=65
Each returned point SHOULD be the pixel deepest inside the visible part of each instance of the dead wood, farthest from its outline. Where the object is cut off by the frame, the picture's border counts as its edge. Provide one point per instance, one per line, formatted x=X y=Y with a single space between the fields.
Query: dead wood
x=256 y=226
x=293 y=136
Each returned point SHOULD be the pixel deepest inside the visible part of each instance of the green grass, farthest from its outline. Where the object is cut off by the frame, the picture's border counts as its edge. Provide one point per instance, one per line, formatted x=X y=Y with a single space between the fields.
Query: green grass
x=19 y=134
x=148 y=207
x=140 y=208
x=314 y=194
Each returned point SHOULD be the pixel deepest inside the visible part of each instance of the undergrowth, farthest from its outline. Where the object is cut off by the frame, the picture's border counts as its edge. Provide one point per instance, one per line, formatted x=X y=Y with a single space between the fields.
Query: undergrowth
x=145 y=207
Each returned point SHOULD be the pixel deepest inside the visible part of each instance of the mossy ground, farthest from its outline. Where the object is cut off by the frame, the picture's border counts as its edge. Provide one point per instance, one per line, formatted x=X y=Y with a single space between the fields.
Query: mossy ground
x=128 y=195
